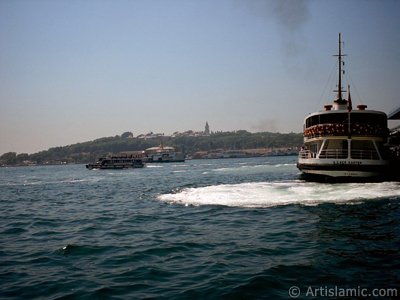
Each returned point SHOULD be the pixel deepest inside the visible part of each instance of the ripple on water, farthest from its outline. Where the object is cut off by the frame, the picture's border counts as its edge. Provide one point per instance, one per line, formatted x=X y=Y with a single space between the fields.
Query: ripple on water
x=250 y=230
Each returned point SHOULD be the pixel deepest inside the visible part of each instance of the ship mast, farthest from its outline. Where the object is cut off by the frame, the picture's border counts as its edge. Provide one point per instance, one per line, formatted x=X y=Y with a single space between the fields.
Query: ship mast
x=340 y=99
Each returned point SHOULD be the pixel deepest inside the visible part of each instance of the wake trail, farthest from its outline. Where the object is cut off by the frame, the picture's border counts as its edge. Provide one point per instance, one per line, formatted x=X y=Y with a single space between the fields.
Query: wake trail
x=269 y=194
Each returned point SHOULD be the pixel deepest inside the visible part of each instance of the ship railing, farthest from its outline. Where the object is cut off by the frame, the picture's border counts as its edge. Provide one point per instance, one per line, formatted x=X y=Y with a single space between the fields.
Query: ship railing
x=333 y=153
x=343 y=153
x=307 y=154
x=364 y=154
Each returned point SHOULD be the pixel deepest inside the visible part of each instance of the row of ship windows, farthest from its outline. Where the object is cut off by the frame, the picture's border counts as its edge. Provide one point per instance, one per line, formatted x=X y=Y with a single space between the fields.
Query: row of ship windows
x=343 y=129
x=343 y=118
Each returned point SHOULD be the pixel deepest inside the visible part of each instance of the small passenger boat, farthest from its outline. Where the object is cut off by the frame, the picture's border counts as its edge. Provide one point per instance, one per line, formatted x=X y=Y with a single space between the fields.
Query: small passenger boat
x=116 y=162
x=342 y=143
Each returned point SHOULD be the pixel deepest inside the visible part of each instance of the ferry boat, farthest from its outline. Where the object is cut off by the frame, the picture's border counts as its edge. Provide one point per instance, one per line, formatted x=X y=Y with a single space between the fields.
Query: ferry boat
x=163 y=154
x=117 y=162
x=342 y=143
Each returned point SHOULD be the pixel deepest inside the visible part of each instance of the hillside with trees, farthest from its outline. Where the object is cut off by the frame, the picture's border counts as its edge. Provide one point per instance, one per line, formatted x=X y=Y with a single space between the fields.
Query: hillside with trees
x=188 y=143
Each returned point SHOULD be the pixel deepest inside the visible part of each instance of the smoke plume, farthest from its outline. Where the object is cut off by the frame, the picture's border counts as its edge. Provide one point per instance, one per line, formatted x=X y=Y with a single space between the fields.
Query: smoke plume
x=290 y=16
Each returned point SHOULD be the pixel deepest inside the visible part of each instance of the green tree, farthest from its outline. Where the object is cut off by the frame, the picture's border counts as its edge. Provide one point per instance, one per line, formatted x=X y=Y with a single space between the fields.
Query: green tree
x=9 y=158
x=22 y=157
x=126 y=135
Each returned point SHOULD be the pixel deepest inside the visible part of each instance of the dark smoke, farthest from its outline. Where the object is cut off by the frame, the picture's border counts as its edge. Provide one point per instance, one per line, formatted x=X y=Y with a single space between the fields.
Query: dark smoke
x=290 y=17
x=265 y=125
x=290 y=14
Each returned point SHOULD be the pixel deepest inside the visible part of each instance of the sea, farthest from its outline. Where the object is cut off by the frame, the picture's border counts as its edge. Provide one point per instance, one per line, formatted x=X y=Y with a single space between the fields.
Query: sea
x=202 y=229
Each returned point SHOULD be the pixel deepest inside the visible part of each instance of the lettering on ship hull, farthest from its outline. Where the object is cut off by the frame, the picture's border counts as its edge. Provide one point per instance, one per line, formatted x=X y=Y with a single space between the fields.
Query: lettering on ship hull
x=346 y=162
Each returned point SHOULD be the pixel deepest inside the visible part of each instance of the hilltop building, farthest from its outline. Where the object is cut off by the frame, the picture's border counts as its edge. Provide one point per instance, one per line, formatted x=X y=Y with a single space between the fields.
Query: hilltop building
x=207 y=129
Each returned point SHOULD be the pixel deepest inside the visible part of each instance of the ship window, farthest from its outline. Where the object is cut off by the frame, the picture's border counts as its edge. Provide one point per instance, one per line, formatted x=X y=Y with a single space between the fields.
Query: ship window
x=326 y=119
x=334 y=149
x=363 y=150
x=362 y=145
x=333 y=118
x=314 y=148
x=372 y=119
x=358 y=118
x=336 y=144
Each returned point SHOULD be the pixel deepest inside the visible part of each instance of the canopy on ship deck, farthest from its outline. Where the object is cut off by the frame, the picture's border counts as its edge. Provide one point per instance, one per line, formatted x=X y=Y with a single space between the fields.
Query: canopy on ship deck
x=394 y=115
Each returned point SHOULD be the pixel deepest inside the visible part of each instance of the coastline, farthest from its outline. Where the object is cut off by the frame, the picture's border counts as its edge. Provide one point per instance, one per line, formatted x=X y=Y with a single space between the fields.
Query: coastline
x=213 y=154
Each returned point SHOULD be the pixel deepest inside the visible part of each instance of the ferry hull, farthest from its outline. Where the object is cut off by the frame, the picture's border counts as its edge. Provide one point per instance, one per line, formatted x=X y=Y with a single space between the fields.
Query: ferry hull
x=166 y=158
x=344 y=171
x=115 y=167
x=116 y=163
x=163 y=155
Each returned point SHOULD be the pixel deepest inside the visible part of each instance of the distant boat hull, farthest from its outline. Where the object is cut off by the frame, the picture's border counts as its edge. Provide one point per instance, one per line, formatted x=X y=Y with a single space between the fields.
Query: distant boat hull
x=163 y=155
x=116 y=163
x=152 y=160
x=126 y=166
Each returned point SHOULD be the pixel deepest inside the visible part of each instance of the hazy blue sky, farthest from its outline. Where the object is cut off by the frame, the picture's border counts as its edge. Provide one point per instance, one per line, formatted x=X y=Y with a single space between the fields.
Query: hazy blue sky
x=76 y=70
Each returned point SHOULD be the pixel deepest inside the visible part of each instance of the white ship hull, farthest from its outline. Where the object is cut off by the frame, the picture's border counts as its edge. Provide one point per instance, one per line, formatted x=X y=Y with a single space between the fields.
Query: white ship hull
x=343 y=174
x=167 y=157
x=344 y=168
x=163 y=154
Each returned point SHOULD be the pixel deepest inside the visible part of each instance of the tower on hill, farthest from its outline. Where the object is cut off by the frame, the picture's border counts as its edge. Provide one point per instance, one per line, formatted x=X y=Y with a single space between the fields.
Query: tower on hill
x=207 y=129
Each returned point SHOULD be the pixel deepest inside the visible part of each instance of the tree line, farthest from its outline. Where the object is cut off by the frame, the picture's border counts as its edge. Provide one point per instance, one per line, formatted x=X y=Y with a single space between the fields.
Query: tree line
x=91 y=150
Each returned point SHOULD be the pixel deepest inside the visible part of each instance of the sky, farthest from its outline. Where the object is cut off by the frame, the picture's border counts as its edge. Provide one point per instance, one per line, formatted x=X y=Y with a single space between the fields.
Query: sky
x=76 y=70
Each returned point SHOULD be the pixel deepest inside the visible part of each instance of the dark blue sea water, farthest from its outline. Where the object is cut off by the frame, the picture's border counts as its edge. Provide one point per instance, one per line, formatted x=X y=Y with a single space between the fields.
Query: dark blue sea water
x=203 y=229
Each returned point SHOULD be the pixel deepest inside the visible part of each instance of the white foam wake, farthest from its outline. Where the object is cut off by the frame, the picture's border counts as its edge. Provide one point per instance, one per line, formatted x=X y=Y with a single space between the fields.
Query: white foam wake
x=267 y=194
